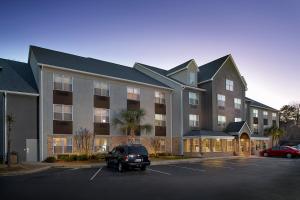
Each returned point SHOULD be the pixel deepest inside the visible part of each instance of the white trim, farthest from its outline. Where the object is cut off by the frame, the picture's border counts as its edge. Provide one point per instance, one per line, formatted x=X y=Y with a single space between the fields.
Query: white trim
x=5 y=125
x=100 y=75
x=247 y=127
x=194 y=88
x=209 y=137
x=259 y=138
x=20 y=93
x=186 y=67
x=205 y=81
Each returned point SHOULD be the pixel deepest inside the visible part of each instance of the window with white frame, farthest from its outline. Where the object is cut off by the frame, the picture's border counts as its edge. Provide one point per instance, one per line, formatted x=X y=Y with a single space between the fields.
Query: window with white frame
x=266 y=121
x=62 y=112
x=160 y=120
x=237 y=119
x=62 y=145
x=265 y=114
x=205 y=145
x=194 y=120
x=229 y=85
x=193 y=98
x=192 y=77
x=216 y=145
x=101 y=88
x=274 y=116
x=159 y=97
x=237 y=103
x=100 y=145
x=221 y=100
x=255 y=113
x=133 y=93
x=101 y=115
x=221 y=120
x=255 y=128
x=62 y=82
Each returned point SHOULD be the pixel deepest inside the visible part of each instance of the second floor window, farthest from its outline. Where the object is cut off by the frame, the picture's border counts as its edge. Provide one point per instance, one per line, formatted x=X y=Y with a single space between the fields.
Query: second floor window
x=62 y=82
x=159 y=97
x=160 y=120
x=221 y=100
x=237 y=119
x=237 y=103
x=63 y=112
x=101 y=89
x=255 y=128
x=193 y=98
x=192 y=77
x=194 y=120
x=221 y=120
x=229 y=85
x=133 y=93
x=101 y=115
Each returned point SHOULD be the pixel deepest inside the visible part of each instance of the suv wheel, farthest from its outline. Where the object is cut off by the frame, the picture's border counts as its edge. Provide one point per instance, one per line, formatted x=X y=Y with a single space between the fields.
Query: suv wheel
x=289 y=155
x=120 y=167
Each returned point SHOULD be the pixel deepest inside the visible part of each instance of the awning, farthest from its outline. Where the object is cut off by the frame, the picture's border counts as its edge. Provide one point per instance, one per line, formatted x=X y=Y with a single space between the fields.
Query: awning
x=206 y=134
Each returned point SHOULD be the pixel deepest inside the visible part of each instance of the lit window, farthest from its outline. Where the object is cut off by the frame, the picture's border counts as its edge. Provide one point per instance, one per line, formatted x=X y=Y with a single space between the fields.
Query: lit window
x=62 y=112
x=100 y=145
x=133 y=93
x=216 y=145
x=221 y=100
x=62 y=145
x=159 y=97
x=101 y=115
x=221 y=120
x=237 y=119
x=229 y=85
x=62 y=82
x=101 y=89
x=160 y=120
x=194 y=120
x=265 y=113
x=195 y=147
x=205 y=145
x=237 y=103
x=193 y=98
x=255 y=113
x=192 y=77
x=229 y=145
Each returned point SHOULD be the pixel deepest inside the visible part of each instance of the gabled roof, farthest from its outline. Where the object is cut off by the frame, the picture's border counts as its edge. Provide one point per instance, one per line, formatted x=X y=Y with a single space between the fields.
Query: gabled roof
x=206 y=133
x=90 y=65
x=234 y=127
x=17 y=77
x=155 y=69
x=208 y=70
x=259 y=105
x=179 y=67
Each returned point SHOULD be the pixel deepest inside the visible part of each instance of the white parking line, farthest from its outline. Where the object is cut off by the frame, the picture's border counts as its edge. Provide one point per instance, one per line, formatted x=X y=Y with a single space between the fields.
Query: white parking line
x=159 y=171
x=188 y=168
x=95 y=174
x=73 y=169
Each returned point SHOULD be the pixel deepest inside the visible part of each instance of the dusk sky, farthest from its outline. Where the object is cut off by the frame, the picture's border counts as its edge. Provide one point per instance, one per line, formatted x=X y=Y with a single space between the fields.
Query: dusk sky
x=262 y=36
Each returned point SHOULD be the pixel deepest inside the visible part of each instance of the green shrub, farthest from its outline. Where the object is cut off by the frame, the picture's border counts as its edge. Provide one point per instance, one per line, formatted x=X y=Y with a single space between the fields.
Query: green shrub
x=82 y=157
x=163 y=154
x=73 y=157
x=63 y=157
x=50 y=159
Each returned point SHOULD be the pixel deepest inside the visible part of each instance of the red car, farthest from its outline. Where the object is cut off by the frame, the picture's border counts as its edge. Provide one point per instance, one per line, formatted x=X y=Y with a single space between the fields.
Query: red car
x=286 y=151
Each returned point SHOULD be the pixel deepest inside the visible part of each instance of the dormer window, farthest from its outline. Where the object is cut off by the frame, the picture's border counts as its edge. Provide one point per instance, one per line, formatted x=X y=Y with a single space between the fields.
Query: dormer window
x=229 y=85
x=192 y=78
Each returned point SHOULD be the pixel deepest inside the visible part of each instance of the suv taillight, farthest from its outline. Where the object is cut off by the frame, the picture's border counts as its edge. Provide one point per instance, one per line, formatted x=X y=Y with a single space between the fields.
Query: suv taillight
x=126 y=158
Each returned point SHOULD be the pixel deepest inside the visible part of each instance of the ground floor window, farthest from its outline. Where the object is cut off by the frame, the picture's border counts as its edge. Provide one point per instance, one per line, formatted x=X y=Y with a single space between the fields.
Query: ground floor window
x=195 y=147
x=100 y=145
x=187 y=145
x=62 y=145
x=205 y=145
x=229 y=145
x=216 y=145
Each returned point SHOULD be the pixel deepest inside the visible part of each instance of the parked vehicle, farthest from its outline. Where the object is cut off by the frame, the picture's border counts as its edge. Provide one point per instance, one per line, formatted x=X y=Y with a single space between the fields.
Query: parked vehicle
x=297 y=147
x=286 y=151
x=128 y=156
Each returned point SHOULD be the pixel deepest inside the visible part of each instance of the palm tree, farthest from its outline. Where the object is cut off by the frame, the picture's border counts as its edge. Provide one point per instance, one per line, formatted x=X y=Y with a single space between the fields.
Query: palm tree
x=129 y=122
x=276 y=134
x=10 y=120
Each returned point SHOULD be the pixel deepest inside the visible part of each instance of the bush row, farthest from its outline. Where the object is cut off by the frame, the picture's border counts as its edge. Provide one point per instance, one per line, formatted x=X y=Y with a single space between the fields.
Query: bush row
x=74 y=157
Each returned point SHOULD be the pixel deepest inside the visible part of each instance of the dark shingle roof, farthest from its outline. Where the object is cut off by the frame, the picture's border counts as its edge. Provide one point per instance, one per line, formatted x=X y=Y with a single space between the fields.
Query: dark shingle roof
x=206 y=133
x=207 y=71
x=234 y=127
x=258 y=104
x=65 y=60
x=155 y=69
x=17 y=77
x=181 y=66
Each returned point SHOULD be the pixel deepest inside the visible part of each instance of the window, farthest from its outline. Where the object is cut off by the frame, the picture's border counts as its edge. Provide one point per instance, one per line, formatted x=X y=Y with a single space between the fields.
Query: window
x=100 y=145
x=101 y=89
x=62 y=82
x=101 y=115
x=265 y=114
x=237 y=119
x=192 y=77
x=133 y=93
x=216 y=145
x=160 y=120
x=205 y=145
x=229 y=145
x=229 y=85
x=221 y=120
x=221 y=100
x=255 y=128
x=274 y=116
x=237 y=103
x=159 y=97
x=255 y=113
x=194 y=120
x=195 y=147
x=62 y=145
x=62 y=112
x=193 y=98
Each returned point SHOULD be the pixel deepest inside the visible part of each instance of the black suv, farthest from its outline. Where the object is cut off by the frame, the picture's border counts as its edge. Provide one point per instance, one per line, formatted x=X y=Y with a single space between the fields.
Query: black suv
x=128 y=156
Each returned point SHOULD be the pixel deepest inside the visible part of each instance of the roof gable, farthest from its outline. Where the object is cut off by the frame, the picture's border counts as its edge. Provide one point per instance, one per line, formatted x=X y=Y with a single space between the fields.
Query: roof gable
x=234 y=127
x=259 y=105
x=180 y=67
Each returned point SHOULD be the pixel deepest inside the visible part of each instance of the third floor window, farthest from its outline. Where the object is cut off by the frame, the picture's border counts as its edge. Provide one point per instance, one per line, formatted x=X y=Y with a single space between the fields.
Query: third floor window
x=159 y=97
x=193 y=98
x=62 y=82
x=101 y=89
x=237 y=103
x=221 y=100
x=229 y=85
x=133 y=93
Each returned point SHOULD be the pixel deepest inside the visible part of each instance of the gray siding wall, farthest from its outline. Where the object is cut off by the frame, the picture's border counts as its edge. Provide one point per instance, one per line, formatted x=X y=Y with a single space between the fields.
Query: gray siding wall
x=2 y=125
x=206 y=97
x=83 y=103
x=24 y=110
x=228 y=71
x=183 y=76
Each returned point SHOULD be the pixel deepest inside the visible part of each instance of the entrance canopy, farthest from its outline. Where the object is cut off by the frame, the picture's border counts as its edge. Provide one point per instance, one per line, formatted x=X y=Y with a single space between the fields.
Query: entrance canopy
x=206 y=134
x=238 y=128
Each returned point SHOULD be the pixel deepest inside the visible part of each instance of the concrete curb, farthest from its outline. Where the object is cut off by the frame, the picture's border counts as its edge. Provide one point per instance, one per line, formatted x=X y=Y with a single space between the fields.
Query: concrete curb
x=18 y=173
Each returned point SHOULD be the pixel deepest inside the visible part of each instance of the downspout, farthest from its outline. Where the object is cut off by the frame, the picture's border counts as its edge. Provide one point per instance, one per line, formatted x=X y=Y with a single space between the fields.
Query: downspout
x=171 y=128
x=41 y=138
x=5 y=126
x=181 y=121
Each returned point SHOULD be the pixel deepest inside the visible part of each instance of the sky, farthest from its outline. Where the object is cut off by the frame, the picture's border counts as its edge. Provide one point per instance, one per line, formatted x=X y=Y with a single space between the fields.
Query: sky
x=262 y=36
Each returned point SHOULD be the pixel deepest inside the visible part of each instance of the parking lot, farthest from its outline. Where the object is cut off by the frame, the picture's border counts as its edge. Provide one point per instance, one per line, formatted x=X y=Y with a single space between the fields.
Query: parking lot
x=240 y=178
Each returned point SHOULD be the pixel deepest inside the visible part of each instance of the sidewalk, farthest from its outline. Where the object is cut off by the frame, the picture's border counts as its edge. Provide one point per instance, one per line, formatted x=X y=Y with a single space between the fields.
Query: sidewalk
x=22 y=169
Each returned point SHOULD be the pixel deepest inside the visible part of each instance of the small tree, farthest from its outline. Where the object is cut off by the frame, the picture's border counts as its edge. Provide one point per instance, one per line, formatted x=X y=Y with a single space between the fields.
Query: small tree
x=84 y=141
x=129 y=122
x=155 y=144
x=10 y=120
x=276 y=133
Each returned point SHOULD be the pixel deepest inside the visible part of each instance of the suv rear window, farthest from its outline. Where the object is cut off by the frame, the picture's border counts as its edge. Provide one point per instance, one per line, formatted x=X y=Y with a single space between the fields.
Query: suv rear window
x=137 y=150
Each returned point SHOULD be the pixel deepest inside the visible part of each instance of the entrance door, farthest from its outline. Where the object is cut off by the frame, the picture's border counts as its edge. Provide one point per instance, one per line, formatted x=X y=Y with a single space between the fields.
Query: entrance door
x=245 y=144
x=31 y=150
